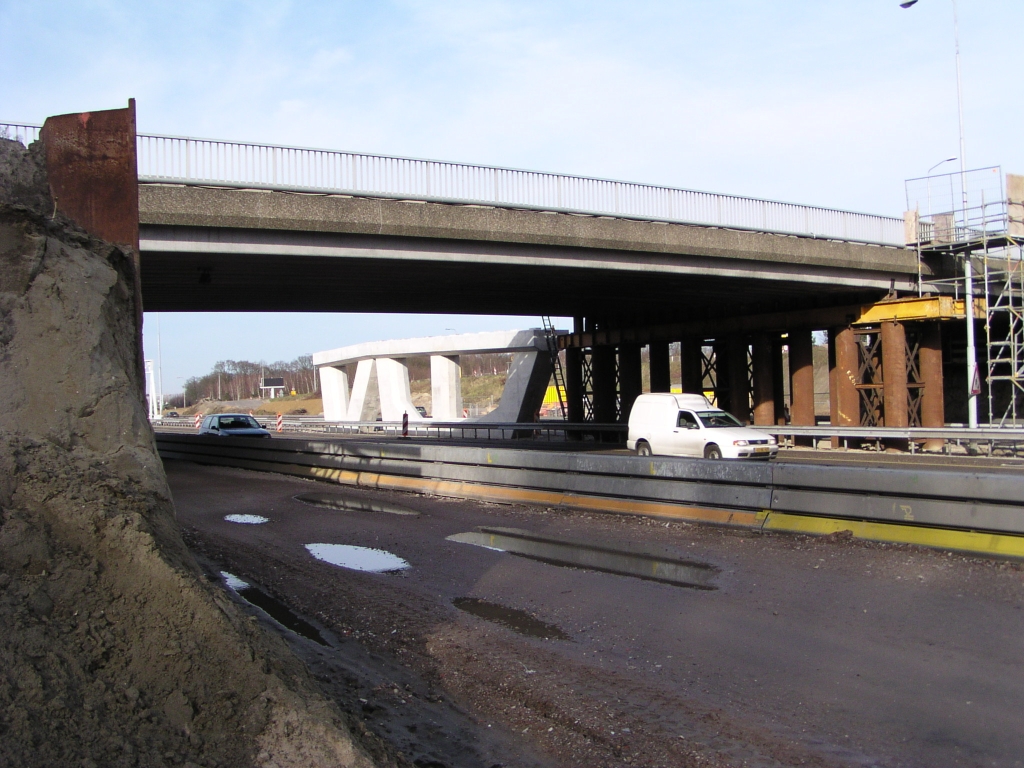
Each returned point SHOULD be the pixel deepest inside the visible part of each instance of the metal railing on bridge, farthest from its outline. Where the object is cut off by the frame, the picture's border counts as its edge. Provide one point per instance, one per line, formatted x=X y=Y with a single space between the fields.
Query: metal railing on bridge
x=236 y=164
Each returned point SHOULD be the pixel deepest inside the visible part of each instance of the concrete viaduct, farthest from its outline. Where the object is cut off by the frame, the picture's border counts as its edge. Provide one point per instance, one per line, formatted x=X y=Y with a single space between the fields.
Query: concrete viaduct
x=732 y=294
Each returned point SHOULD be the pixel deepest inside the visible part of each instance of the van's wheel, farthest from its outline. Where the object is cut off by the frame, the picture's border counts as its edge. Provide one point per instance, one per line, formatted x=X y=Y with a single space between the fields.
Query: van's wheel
x=643 y=448
x=712 y=451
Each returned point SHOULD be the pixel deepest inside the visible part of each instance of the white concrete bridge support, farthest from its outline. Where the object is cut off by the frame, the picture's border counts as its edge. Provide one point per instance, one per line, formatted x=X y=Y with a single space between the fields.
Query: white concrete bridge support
x=360 y=406
x=395 y=395
x=445 y=387
x=528 y=378
x=334 y=388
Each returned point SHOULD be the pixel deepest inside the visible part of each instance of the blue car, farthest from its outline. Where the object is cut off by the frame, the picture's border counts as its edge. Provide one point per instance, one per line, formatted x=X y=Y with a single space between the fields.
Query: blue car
x=232 y=425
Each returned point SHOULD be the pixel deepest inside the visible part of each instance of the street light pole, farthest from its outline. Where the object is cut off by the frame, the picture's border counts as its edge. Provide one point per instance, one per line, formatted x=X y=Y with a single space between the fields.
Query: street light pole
x=972 y=355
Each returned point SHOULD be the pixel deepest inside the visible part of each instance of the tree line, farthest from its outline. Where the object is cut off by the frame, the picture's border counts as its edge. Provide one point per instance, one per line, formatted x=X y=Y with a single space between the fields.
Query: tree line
x=241 y=379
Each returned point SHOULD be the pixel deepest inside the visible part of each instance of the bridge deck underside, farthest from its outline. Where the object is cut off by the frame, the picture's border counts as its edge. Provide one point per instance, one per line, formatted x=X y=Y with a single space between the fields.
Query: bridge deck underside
x=245 y=250
x=204 y=282
x=218 y=269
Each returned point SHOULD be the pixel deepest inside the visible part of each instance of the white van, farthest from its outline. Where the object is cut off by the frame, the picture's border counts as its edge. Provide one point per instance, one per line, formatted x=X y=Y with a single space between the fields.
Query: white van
x=688 y=425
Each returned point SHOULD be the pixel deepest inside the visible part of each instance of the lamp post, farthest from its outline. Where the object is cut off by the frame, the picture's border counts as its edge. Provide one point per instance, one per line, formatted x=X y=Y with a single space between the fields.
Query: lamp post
x=972 y=356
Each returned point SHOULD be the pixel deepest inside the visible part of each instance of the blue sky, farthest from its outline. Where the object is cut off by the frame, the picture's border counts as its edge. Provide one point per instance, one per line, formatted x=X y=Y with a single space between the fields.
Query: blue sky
x=828 y=103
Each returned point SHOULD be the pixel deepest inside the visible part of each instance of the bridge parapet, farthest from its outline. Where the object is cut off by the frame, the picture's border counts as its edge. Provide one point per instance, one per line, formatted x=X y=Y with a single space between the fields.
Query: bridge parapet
x=207 y=162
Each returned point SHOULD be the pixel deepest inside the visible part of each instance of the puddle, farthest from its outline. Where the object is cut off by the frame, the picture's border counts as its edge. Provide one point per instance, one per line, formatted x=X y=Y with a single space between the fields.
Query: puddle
x=512 y=618
x=575 y=554
x=351 y=504
x=357 y=558
x=247 y=519
x=277 y=611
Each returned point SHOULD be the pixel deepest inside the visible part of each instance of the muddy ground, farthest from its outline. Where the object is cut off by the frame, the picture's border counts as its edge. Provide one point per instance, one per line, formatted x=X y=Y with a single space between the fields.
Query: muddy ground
x=825 y=652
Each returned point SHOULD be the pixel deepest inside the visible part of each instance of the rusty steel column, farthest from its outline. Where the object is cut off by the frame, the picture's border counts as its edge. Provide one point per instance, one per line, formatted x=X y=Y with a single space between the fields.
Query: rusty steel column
x=574 y=384
x=844 y=362
x=661 y=371
x=630 y=378
x=94 y=181
x=739 y=381
x=764 y=379
x=778 y=380
x=801 y=381
x=90 y=164
x=603 y=383
x=894 y=374
x=933 y=398
x=692 y=361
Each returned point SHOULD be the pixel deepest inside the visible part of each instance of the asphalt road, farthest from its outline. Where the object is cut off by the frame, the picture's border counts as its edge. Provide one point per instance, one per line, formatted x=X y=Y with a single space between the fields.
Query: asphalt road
x=824 y=652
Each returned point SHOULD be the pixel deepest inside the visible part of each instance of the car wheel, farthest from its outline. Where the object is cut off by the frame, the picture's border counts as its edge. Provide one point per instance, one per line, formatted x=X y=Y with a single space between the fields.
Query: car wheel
x=644 y=449
x=712 y=451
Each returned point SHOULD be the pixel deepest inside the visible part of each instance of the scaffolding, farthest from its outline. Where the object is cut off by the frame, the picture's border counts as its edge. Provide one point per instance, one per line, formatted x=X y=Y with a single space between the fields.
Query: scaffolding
x=1003 y=280
x=975 y=220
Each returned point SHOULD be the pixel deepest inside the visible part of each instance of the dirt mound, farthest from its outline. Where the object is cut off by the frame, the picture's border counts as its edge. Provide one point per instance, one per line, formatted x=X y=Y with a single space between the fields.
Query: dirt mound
x=115 y=651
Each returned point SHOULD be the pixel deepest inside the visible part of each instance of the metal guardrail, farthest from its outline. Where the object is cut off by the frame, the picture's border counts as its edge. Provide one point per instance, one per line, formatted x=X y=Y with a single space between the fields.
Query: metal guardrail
x=549 y=431
x=236 y=164
x=880 y=435
x=561 y=431
x=948 y=498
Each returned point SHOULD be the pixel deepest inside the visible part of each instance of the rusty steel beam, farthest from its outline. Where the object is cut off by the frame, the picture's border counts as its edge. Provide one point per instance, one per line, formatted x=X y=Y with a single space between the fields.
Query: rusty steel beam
x=764 y=380
x=844 y=363
x=894 y=374
x=91 y=167
x=933 y=398
x=801 y=381
x=93 y=176
x=811 y=319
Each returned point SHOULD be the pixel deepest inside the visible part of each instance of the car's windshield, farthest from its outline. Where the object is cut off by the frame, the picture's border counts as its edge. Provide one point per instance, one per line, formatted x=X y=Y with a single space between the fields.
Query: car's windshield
x=238 y=422
x=712 y=419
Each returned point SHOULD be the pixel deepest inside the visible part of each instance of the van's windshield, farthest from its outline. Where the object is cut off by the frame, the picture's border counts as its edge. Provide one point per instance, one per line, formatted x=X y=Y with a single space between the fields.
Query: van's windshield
x=711 y=419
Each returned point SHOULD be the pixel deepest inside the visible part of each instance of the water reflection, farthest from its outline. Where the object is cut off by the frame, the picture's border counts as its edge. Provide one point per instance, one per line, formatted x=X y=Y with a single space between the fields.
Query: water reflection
x=513 y=618
x=273 y=608
x=247 y=519
x=353 y=504
x=357 y=558
x=575 y=554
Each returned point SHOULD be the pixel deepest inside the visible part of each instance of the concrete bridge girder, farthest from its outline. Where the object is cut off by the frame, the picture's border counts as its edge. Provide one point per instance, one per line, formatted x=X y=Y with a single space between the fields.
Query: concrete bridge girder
x=491 y=260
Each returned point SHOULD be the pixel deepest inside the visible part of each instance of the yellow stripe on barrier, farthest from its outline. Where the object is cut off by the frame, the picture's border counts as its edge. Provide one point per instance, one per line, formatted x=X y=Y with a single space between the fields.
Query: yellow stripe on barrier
x=508 y=495
x=1004 y=545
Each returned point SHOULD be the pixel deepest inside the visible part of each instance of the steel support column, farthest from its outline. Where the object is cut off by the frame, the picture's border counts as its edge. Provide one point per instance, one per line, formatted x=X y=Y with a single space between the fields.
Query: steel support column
x=778 y=379
x=630 y=378
x=844 y=362
x=692 y=362
x=574 y=384
x=894 y=374
x=661 y=371
x=933 y=398
x=604 y=385
x=720 y=352
x=801 y=381
x=764 y=380
x=739 y=379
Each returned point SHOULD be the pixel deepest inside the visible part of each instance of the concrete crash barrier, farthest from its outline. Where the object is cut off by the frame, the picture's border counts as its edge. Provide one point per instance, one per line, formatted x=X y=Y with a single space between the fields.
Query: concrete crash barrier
x=957 y=509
